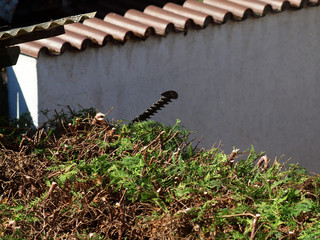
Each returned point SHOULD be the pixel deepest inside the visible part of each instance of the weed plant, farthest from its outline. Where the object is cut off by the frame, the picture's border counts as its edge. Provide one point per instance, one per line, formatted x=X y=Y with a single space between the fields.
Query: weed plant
x=79 y=179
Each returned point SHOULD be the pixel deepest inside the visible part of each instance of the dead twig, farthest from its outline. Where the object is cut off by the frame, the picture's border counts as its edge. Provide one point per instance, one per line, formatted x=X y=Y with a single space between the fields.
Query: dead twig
x=119 y=206
x=6 y=142
x=239 y=215
x=151 y=143
x=254 y=223
x=232 y=156
x=52 y=187
x=254 y=226
x=291 y=235
x=263 y=162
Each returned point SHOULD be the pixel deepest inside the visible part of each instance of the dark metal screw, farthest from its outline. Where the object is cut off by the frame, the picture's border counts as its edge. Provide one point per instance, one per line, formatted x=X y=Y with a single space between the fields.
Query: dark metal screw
x=167 y=96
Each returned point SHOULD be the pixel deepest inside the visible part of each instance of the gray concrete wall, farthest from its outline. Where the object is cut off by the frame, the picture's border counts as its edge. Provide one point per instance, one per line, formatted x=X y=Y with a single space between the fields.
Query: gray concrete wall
x=246 y=83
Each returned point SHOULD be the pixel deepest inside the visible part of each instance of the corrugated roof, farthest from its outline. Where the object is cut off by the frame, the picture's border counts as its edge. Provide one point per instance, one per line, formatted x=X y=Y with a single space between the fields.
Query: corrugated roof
x=160 y=21
x=37 y=31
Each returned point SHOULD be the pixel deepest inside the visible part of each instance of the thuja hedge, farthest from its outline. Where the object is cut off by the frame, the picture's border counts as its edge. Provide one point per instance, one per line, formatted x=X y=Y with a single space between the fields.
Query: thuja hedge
x=80 y=177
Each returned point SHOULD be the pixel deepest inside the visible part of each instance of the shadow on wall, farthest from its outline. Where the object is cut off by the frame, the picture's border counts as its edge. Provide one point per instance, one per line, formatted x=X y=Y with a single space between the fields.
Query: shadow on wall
x=16 y=101
x=3 y=94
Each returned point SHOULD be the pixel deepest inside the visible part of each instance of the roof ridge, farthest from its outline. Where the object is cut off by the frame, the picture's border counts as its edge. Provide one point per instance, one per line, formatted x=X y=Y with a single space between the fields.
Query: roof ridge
x=157 y=21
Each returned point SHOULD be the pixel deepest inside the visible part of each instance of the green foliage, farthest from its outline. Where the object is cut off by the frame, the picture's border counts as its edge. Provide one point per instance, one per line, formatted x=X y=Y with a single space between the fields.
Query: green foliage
x=59 y=119
x=11 y=132
x=136 y=177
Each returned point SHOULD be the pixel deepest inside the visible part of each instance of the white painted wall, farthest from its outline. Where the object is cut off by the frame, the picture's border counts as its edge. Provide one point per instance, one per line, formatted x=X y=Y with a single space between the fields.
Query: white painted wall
x=23 y=88
x=251 y=82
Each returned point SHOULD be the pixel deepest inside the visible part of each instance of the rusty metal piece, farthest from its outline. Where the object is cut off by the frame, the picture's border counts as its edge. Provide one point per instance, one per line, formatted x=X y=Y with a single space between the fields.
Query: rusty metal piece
x=166 y=98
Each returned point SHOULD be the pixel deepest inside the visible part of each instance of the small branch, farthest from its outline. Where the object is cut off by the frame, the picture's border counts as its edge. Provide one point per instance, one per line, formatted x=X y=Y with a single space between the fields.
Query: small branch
x=216 y=150
x=122 y=198
x=254 y=223
x=151 y=160
x=99 y=120
x=60 y=121
x=71 y=128
x=196 y=146
x=152 y=142
x=176 y=154
x=291 y=235
x=233 y=154
x=71 y=111
x=109 y=111
x=20 y=145
x=239 y=215
x=118 y=204
x=263 y=162
x=172 y=137
x=254 y=226
x=52 y=187
x=120 y=189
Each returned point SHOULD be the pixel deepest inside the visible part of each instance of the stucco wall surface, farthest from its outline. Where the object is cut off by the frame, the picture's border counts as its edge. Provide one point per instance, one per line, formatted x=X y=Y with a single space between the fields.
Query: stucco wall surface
x=245 y=83
x=23 y=88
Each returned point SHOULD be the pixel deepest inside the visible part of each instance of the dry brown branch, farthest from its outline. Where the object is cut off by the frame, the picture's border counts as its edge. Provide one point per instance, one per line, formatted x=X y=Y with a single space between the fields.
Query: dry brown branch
x=233 y=154
x=52 y=187
x=264 y=162
x=99 y=120
x=6 y=142
x=152 y=142
x=239 y=215
x=122 y=197
x=122 y=219
x=291 y=235
x=254 y=226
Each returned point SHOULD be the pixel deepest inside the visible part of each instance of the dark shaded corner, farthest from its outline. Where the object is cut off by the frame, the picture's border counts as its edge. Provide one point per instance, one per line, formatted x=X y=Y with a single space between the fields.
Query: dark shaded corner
x=4 y=107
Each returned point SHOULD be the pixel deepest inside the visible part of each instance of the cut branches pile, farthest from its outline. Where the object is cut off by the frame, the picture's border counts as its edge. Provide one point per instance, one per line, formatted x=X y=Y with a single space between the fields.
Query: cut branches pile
x=79 y=177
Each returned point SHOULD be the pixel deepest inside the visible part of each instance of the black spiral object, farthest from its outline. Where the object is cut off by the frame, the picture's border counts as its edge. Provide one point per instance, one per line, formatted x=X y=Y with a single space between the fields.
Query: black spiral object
x=166 y=98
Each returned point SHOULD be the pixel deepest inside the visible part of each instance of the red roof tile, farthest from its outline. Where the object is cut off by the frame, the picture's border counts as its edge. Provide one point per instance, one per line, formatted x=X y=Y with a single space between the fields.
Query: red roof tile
x=238 y=11
x=156 y=20
x=219 y=15
x=140 y=29
x=77 y=41
x=118 y=33
x=95 y=35
x=162 y=27
x=259 y=8
x=199 y=18
x=32 y=49
x=54 y=44
x=179 y=22
x=277 y=5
